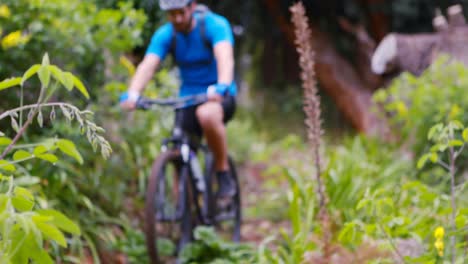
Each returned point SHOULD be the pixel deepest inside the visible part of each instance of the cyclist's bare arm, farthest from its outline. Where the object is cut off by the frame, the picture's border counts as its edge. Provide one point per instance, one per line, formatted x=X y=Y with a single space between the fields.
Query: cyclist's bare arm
x=143 y=75
x=224 y=54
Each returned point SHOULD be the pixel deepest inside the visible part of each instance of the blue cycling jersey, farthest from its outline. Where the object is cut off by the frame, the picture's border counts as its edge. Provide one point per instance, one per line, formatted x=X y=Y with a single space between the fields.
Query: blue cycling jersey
x=196 y=61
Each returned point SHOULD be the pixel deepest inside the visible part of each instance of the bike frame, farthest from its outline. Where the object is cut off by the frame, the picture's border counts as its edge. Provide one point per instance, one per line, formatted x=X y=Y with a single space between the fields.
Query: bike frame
x=188 y=148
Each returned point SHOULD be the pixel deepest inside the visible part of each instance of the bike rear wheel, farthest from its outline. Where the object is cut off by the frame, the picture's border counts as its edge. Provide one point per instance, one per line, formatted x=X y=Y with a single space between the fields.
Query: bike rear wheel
x=168 y=220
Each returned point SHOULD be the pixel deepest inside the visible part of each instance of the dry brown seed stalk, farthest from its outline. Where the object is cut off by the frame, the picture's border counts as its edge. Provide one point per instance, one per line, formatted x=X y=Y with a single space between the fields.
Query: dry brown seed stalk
x=309 y=84
x=312 y=111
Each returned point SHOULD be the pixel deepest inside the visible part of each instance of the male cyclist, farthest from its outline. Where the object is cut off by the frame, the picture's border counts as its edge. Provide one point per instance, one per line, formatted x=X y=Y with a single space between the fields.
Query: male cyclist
x=201 y=66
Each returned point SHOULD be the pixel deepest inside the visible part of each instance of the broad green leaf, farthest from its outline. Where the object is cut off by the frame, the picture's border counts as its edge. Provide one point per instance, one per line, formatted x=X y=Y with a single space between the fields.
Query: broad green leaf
x=79 y=85
x=40 y=150
x=61 y=221
x=17 y=238
x=23 y=222
x=8 y=83
x=22 y=204
x=465 y=134
x=67 y=147
x=42 y=218
x=45 y=60
x=41 y=256
x=33 y=247
x=30 y=72
x=294 y=210
x=67 y=80
x=27 y=180
x=21 y=155
x=52 y=232
x=3 y=202
x=461 y=221
x=439 y=147
x=350 y=234
x=57 y=73
x=433 y=157
x=23 y=192
x=455 y=143
x=44 y=75
x=422 y=161
x=5 y=165
x=435 y=129
x=4 y=141
x=48 y=157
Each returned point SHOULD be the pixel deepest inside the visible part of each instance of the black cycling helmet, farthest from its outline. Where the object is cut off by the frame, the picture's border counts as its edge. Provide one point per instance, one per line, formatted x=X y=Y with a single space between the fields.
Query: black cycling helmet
x=173 y=4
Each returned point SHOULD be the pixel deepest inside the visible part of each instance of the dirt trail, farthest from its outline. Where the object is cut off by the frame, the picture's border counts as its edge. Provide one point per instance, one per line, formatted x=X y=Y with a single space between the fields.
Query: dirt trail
x=254 y=195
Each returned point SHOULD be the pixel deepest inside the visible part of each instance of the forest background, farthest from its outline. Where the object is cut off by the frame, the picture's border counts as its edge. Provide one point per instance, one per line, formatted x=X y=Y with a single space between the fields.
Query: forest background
x=385 y=198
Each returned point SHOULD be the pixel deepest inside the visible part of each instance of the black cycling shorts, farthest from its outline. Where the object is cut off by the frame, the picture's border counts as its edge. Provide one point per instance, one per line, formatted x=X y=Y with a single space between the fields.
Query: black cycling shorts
x=186 y=118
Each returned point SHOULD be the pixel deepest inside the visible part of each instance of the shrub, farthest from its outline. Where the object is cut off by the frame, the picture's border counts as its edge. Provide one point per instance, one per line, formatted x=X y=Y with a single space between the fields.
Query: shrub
x=25 y=226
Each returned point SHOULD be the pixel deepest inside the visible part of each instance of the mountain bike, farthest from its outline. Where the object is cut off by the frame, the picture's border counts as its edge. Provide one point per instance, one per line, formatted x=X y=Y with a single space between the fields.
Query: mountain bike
x=181 y=190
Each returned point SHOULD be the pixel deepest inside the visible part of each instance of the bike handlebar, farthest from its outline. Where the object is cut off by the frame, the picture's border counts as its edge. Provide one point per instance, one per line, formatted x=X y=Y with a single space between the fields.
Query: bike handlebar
x=147 y=103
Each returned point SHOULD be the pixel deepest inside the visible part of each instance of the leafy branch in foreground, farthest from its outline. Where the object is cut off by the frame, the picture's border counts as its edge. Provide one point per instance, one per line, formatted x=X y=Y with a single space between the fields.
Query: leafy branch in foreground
x=448 y=139
x=23 y=230
x=51 y=77
x=28 y=233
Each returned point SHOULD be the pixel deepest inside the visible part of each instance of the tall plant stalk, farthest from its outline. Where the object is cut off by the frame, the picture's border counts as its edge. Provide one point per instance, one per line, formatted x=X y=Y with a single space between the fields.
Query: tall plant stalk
x=311 y=108
x=309 y=84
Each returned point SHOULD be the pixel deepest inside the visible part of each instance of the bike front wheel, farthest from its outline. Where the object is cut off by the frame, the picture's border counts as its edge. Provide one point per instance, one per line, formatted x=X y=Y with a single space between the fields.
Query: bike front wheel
x=168 y=221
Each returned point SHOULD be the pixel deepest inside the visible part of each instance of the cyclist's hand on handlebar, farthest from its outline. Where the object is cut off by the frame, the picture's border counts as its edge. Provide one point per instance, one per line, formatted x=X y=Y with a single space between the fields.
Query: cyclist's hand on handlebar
x=216 y=92
x=128 y=100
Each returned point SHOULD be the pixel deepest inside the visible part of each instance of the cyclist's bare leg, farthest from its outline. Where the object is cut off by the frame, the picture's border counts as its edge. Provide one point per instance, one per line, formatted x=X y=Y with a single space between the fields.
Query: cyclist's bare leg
x=210 y=116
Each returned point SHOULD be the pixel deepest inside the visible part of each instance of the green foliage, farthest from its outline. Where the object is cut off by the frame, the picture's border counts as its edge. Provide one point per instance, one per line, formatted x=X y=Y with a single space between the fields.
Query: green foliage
x=25 y=229
x=450 y=138
x=415 y=104
x=132 y=244
x=242 y=139
x=82 y=36
x=449 y=141
x=301 y=210
x=102 y=193
x=28 y=224
x=356 y=166
x=410 y=208
x=211 y=249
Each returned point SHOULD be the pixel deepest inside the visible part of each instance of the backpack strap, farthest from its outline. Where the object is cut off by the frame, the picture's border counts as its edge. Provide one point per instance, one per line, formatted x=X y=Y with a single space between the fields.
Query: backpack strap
x=172 y=48
x=202 y=27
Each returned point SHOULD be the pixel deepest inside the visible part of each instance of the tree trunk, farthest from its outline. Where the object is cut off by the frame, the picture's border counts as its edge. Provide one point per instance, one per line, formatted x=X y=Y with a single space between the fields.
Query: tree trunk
x=378 y=20
x=415 y=52
x=340 y=80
